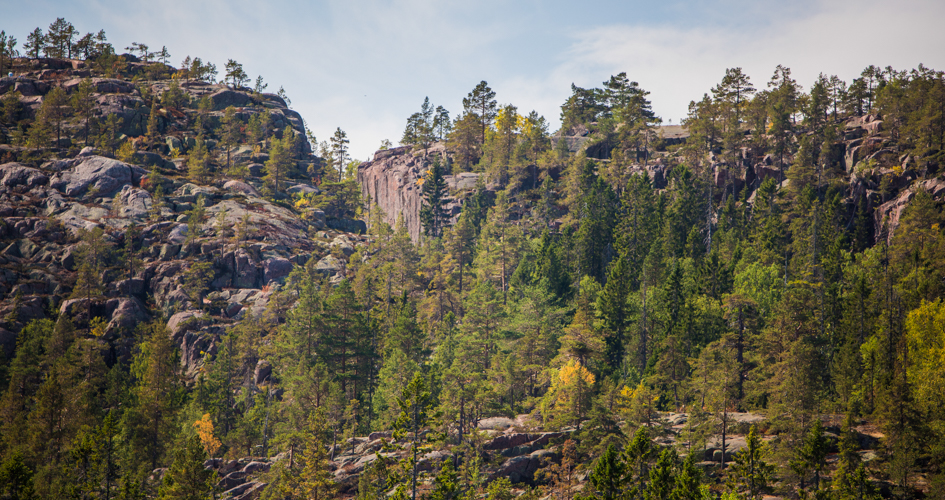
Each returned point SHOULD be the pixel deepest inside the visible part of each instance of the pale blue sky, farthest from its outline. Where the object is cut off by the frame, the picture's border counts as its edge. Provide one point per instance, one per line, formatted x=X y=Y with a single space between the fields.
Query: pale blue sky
x=367 y=65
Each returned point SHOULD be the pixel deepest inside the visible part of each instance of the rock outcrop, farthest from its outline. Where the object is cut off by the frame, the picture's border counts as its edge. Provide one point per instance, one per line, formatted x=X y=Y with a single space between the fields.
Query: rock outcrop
x=391 y=181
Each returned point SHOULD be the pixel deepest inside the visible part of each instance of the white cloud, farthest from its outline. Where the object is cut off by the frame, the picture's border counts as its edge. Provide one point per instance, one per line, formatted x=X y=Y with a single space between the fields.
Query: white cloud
x=679 y=65
x=366 y=65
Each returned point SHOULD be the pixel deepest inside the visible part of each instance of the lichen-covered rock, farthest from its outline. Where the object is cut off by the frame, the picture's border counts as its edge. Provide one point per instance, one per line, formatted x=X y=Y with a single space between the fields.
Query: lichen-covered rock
x=134 y=202
x=104 y=176
x=185 y=321
x=241 y=187
x=126 y=313
x=15 y=174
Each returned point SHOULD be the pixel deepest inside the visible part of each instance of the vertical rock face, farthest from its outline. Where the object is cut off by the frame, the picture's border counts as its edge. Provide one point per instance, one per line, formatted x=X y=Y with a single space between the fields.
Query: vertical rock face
x=391 y=182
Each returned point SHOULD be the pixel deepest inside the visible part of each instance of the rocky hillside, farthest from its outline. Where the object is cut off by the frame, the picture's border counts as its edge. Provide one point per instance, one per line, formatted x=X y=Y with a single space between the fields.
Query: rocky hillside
x=746 y=305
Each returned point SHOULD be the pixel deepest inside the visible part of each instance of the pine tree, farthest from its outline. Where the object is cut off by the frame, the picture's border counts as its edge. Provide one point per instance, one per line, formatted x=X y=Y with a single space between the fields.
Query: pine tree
x=316 y=480
x=8 y=50
x=415 y=405
x=280 y=160
x=187 y=479
x=750 y=474
x=811 y=456
x=197 y=162
x=230 y=131
x=148 y=425
x=153 y=124
x=83 y=103
x=445 y=485
x=59 y=39
x=661 y=486
x=235 y=73
x=614 y=308
x=16 y=478
x=339 y=151
x=35 y=42
x=481 y=104
x=637 y=457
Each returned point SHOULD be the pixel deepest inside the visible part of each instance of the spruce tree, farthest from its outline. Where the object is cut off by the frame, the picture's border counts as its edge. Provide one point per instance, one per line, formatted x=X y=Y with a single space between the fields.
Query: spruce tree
x=608 y=475
x=433 y=215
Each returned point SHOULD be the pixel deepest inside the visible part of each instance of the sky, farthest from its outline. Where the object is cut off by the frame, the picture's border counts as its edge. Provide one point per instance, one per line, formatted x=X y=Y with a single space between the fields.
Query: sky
x=365 y=66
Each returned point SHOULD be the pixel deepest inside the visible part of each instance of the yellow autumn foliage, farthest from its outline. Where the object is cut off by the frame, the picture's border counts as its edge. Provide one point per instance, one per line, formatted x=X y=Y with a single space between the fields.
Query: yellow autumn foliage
x=204 y=428
x=570 y=372
x=509 y=120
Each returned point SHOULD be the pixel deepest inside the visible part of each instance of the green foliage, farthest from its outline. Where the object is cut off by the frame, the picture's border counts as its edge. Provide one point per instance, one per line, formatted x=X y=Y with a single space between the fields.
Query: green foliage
x=187 y=479
x=16 y=478
x=433 y=215
x=751 y=474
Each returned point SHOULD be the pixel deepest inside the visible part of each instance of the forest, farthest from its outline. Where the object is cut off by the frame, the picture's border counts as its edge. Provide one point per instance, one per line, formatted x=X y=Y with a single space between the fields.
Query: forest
x=600 y=284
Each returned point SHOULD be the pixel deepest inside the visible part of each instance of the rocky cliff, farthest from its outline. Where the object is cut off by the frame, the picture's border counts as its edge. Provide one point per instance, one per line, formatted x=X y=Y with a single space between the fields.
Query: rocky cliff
x=390 y=181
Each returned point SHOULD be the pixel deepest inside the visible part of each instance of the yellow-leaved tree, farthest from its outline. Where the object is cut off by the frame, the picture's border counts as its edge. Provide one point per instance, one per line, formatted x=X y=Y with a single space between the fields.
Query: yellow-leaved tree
x=569 y=398
x=204 y=428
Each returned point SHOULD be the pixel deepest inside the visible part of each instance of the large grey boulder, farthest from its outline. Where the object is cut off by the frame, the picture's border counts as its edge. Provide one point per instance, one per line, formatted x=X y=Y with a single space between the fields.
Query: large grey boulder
x=14 y=174
x=241 y=188
x=103 y=175
x=135 y=202
x=223 y=98
x=185 y=321
x=126 y=314
x=329 y=265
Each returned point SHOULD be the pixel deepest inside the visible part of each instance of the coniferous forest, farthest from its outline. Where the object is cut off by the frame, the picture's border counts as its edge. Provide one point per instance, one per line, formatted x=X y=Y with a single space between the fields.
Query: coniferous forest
x=200 y=300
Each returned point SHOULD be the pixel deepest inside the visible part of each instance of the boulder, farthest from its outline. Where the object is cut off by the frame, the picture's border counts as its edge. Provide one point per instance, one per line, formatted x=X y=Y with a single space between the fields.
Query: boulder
x=262 y=372
x=185 y=321
x=329 y=265
x=496 y=423
x=890 y=212
x=134 y=202
x=256 y=169
x=347 y=225
x=256 y=467
x=78 y=309
x=343 y=244
x=254 y=491
x=517 y=469
x=15 y=174
x=131 y=286
x=150 y=158
x=276 y=268
x=126 y=313
x=508 y=441
x=193 y=347
x=224 y=98
x=303 y=188
x=178 y=234
x=103 y=175
x=241 y=187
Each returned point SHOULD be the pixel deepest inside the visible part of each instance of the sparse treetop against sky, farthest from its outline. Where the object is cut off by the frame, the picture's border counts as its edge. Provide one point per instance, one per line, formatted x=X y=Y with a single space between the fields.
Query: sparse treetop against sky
x=365 y=66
